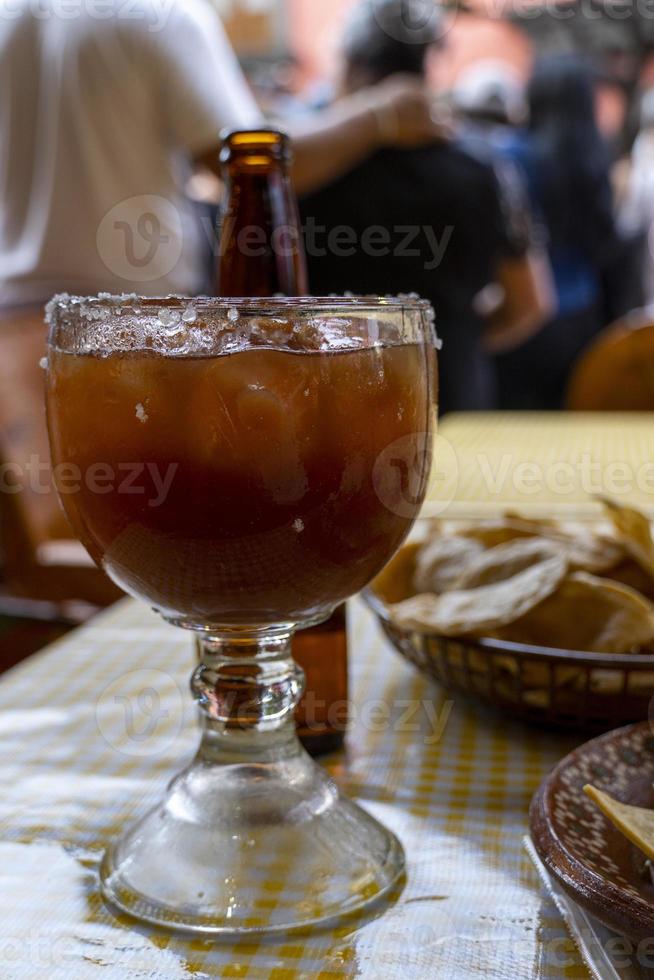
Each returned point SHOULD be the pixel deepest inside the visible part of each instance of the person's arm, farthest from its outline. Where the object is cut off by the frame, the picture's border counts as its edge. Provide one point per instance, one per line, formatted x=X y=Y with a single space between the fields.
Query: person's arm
x=203 y=91
x=397 y=112
x=527 y=303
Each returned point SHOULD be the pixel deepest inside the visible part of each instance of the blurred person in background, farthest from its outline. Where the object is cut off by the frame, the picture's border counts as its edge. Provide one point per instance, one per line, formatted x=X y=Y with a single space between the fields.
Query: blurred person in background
x=566 y=163
x=636 y=196
x=489 y=96
x=435 y=220
x=104 y=114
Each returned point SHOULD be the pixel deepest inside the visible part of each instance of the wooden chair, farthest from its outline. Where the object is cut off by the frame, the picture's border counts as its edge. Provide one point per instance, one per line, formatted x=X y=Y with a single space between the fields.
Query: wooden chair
x=45 y=571
x=616 y=373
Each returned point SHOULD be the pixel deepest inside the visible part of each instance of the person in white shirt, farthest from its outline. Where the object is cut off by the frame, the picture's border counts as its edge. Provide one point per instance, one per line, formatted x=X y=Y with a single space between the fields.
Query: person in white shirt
x=104 y=111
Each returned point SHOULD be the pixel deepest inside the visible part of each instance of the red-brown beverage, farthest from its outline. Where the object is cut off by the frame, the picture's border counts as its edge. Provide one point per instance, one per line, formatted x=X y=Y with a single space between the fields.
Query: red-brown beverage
x=242 y=488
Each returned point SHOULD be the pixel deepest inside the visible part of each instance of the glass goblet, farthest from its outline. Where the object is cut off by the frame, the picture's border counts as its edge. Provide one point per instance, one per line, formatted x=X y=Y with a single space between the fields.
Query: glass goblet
x=278 y=452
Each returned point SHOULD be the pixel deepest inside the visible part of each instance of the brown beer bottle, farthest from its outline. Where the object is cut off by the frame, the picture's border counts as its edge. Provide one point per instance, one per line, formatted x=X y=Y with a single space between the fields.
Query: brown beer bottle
x=261 y=253
x=260 y=248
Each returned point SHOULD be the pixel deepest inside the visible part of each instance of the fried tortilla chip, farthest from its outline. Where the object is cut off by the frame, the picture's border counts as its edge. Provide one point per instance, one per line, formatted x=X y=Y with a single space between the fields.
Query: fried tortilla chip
x=505 y=560
x=635 y=822
x=634 y=530
x=506 y=528
x=395 y=581
x=586 y=613
x=441 y=561
x=630 y=573
x=479 y=611
x=587 y=550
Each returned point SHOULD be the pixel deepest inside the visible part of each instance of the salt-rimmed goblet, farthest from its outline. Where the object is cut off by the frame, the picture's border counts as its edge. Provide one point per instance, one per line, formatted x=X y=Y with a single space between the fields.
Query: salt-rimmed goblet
x=281 y=452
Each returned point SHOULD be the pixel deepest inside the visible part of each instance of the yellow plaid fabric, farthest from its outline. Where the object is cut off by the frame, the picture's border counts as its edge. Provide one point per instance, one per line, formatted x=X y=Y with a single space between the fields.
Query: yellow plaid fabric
x=92 y=729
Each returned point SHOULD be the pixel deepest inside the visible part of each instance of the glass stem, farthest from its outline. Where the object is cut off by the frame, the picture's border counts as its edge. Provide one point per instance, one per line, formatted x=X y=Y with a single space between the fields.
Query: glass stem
x=247 y=685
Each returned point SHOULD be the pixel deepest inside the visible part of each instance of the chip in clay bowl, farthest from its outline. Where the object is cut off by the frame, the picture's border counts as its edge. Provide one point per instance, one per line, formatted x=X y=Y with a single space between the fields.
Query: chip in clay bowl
x=552 y=620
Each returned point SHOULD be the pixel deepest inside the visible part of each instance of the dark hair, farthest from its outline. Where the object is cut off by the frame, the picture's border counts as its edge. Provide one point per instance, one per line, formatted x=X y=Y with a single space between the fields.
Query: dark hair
x=383 y=37
x=575 y=189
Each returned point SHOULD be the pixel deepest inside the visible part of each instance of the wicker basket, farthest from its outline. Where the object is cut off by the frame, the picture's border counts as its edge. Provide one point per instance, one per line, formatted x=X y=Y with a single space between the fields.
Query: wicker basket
x=562 y=689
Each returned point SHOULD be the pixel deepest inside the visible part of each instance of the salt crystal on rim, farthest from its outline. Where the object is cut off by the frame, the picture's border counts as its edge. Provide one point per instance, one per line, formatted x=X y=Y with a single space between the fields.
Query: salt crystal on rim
x=168 y=317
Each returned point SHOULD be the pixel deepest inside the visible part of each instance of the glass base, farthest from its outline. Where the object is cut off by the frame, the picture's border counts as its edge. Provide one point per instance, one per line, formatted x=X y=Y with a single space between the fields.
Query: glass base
x=251 y=847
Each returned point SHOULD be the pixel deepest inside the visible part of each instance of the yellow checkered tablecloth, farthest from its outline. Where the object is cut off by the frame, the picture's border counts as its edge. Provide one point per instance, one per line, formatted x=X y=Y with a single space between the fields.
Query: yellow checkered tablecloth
x=92 y=729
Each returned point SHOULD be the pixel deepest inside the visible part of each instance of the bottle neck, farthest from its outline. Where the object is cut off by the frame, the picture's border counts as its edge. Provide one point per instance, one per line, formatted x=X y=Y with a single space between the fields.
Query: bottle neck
x=260 y=244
